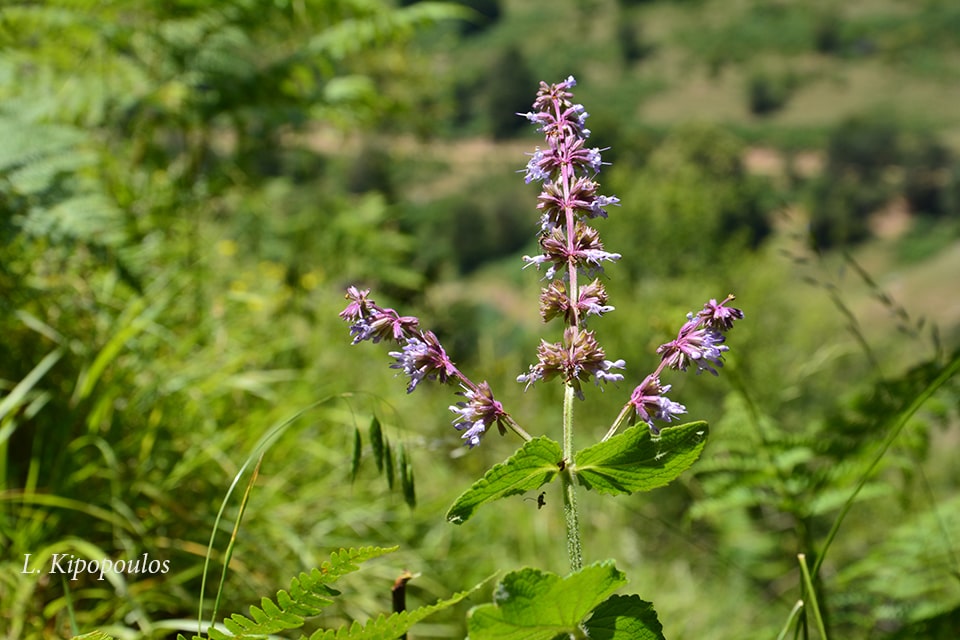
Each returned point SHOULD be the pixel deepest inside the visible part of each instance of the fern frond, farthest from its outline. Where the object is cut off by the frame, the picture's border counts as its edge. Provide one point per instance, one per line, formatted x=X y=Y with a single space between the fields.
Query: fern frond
x=94 y=635
x=354 y=34
x=308 y=595
x=387 y=627
x=25 y=143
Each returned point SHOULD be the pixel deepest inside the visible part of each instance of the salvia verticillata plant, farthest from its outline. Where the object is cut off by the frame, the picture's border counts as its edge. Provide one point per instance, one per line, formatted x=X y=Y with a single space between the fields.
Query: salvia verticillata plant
x=649 y=452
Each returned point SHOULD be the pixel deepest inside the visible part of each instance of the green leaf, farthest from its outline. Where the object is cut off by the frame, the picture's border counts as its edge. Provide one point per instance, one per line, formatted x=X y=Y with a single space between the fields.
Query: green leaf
x=388 y=463
x=94 y=635
x=406 y=479
x=533 y=605
x=357 y=452
x=376 y=442
x=308 y=595
x=388 y=627
x=624 y=618
x=637 y=461
x=532 y=466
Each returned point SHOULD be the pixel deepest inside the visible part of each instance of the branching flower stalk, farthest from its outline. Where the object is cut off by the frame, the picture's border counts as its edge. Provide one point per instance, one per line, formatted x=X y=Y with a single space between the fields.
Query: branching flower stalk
x=422 y=357
x=571 y=251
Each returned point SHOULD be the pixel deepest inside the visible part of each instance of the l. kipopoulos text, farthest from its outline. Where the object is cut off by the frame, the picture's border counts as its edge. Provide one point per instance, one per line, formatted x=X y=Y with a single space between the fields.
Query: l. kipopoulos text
x=71 y=565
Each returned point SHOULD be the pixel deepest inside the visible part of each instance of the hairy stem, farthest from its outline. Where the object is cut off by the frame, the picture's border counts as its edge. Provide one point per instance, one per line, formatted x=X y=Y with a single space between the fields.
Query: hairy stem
x=571 y=517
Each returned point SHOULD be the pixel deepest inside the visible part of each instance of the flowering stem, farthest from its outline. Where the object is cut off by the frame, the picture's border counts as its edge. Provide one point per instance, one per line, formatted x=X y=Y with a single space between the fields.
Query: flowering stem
x=517 y=429
x=624 y=413
x=571 y=517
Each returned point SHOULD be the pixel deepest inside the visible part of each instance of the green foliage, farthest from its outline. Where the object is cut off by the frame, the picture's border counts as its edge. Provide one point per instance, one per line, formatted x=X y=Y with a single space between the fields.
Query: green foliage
x=163 y=291
x=185 y=186
x=390 y=462
x=535 y=464
x=508 y=93
x=803 y=479
x=762 y=27
x=698 y=205
x=622 y=617
x=310 y=593
x=532 y=604
x=910 y=565
x=768 y=92
x=872 y=159
x=637 y=461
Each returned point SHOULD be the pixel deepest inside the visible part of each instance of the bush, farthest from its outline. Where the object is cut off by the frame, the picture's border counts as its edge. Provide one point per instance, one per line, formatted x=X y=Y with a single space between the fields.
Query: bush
x=768 y=93
x=696 y=204
x=872 y=159
x=508 y=93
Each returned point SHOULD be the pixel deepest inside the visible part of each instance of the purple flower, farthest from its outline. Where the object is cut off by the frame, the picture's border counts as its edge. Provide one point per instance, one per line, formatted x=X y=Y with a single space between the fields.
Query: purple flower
x=697 y=344
x=537 y=167
x=358 y=306
x=649 y=402
x=597 y=209
x=555 y=302
x=577 y=358
x=477 y=413
x=423 y=358
x=581 y=196
x=593 y=299
x=586 y=253
x=371 y=322
x=391 y=325
x=716 y=316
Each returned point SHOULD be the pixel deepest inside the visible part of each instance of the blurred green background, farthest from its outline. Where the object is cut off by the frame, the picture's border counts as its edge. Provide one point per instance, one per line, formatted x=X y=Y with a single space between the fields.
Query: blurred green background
x=186 y=188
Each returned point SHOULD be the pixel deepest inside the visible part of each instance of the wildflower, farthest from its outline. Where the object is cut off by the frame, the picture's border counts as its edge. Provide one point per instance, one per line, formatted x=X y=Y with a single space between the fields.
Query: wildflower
x=695 y=344
x=578 y=357
x=359 y=304
x=555 y=302
x=581 y=196
x=371 y=322
x=716 y=316
x=586 y=253
x=423 y=358
x=648 y=402
x=477 y=413
x=593 y=299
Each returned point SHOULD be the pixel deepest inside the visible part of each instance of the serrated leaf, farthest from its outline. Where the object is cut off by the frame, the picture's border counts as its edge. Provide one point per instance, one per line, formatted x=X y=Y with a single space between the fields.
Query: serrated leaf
x=624 y=618
x=532 y=466
x=637 y=461
x=376 y=442
x=534 y=605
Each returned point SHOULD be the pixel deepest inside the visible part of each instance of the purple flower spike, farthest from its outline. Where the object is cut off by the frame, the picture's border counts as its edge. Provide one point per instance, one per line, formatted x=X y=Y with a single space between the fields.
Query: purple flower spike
x=477 y=413
x=649 y=402
x=423 y=358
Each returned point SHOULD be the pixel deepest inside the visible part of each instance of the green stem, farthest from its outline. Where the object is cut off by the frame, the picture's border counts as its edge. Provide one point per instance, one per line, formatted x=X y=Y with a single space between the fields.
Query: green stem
x=616 y=423
x=950 y=370
x=811 y=598
x=574 y=549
